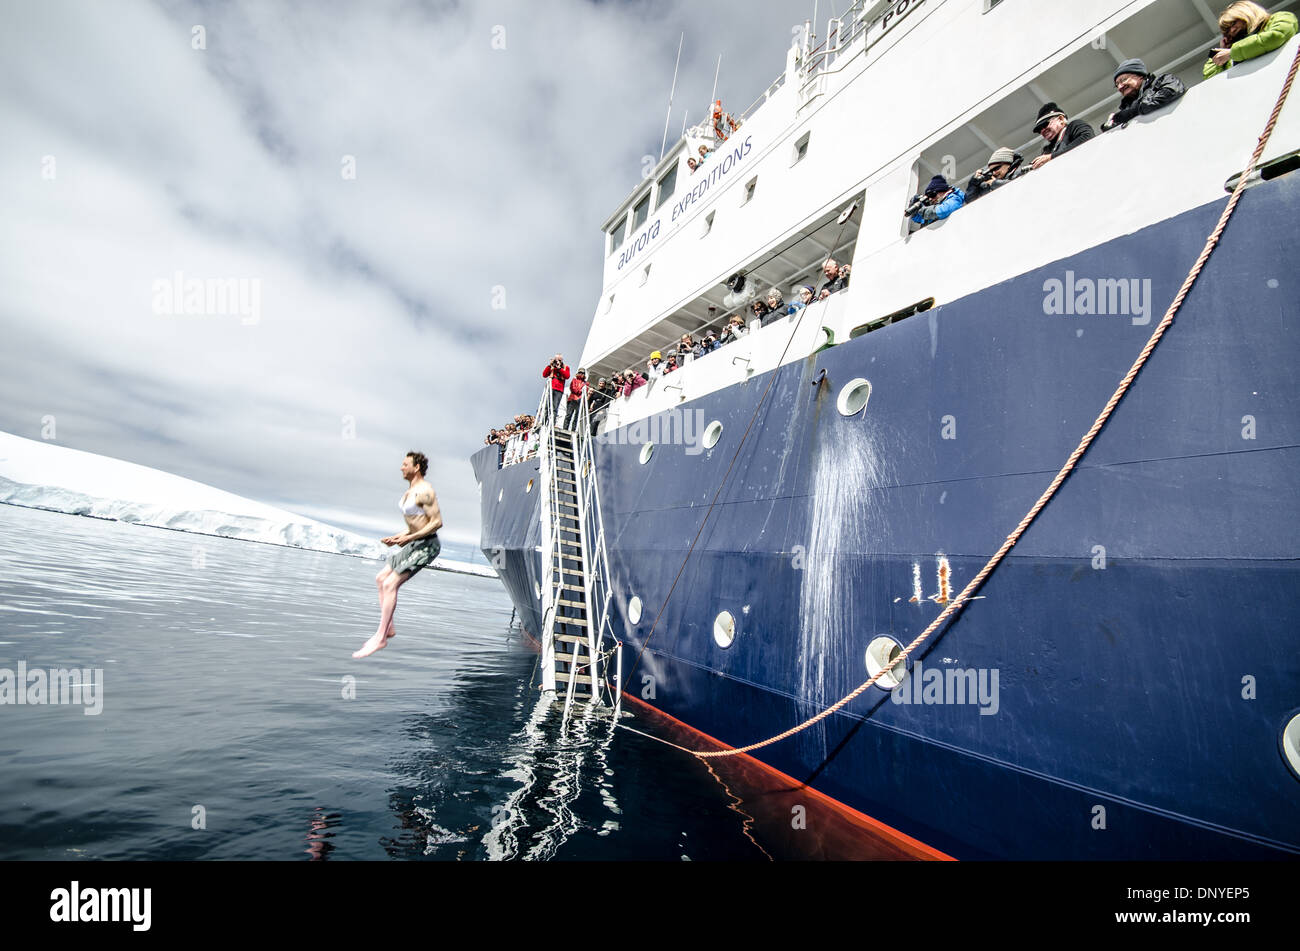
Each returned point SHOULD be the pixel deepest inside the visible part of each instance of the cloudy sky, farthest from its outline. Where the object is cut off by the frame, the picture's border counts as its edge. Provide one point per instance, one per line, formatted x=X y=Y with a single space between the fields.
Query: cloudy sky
x=375 y=171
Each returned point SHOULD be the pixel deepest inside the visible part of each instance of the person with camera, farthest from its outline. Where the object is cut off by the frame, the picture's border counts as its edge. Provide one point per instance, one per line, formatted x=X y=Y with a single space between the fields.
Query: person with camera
x=1141 y=92
x=1248 y=31
x=558 y=373
x=1003 y=167
x=576 y=386
x=734 y=330
x=837 y=278
x=939 y=201
x=707 y=345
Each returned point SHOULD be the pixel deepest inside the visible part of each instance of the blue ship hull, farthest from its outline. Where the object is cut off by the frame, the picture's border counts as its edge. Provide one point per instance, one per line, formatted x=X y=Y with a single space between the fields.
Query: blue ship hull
x=1143 y=631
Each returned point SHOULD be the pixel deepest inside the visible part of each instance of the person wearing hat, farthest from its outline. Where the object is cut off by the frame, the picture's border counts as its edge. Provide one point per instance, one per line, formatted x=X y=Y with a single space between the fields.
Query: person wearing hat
x=576 y=386
x=707 y=345
x=1003 y=167
x=1059 y=133
x=804 y=295
x=1141 y=92
x=1249 y=30
x=939 y=201
x=655 y=366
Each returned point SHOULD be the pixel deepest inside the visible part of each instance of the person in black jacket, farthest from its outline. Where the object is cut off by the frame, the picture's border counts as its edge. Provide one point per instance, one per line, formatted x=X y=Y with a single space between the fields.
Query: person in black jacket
x=1141 y=92
x=1003 y=167
x=1059 y=132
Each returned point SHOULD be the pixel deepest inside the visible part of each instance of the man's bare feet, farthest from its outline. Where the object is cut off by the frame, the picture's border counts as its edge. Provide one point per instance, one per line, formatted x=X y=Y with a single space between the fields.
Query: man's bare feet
x=369 y=647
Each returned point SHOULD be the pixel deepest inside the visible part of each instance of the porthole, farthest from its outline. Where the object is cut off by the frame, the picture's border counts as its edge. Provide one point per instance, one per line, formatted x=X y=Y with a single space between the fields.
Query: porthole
x=724 y=629
x=712 y=433
x=529 y=487
x=882 y=652
x=647 y=451
x=634 y=610
x=1291 y=744
x=854 y=396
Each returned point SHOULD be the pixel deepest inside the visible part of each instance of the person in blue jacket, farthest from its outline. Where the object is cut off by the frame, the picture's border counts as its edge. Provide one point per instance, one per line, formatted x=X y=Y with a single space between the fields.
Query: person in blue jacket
x=939 y=201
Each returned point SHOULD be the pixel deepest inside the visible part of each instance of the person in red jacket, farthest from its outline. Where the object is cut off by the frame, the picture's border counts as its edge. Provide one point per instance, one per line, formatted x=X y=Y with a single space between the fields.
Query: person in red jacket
x=576 y=387
x=558 y=373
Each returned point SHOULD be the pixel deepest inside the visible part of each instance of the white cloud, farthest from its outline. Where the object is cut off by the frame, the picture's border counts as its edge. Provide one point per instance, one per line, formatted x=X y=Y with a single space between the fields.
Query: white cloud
x=475 y=167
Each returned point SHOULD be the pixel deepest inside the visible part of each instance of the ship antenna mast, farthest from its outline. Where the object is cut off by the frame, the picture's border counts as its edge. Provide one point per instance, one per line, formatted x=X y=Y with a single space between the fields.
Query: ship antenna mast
x=671 y=93
x=709 y=111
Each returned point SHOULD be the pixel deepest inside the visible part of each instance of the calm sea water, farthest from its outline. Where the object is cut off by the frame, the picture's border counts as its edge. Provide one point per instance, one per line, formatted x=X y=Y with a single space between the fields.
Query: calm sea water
x=230 y=702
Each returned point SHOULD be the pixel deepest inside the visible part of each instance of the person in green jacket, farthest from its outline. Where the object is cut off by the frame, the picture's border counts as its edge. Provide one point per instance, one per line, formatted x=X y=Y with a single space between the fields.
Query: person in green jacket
x=1249 y=31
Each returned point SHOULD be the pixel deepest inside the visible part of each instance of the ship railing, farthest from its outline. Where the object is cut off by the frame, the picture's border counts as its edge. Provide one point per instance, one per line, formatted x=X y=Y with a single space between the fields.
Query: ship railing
x=552 y=581
x=526 y=445
x=598 y=586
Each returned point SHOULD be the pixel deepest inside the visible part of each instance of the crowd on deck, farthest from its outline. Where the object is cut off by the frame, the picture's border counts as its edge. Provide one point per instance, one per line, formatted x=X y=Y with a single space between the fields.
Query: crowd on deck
x=722 y=124
x=1248 y=29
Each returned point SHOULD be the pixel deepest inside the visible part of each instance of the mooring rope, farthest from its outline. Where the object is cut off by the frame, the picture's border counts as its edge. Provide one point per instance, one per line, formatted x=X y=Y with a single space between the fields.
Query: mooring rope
x=1211 y=243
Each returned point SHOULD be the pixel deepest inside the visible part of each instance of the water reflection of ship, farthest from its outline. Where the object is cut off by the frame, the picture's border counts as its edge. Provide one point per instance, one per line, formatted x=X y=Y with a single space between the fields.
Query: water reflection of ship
x=551 y=761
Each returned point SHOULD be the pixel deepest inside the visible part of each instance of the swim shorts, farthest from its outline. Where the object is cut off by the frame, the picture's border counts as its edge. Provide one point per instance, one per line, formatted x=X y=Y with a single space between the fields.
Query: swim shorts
x=415 y=555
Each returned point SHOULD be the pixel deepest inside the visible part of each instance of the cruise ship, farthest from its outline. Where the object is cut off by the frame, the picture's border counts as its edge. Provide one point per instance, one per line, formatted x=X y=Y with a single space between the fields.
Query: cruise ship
x=746 y=540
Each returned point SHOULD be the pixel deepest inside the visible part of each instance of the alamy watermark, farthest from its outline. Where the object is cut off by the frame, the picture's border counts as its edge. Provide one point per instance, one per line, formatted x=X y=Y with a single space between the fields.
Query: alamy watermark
x=951 y=685
x=674 y=427
x=207 y=297
x=77 y=904
x=1104 y=297
x=64 y=686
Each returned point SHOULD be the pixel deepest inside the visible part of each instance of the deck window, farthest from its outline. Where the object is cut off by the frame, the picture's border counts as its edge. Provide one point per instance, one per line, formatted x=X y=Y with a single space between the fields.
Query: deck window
x=641 y=211
x=667 y=186
x=617 y=233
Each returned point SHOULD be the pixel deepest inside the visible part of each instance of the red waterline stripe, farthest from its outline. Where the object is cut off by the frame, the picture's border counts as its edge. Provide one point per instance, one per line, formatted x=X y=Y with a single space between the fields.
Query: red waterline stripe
x=901 y=839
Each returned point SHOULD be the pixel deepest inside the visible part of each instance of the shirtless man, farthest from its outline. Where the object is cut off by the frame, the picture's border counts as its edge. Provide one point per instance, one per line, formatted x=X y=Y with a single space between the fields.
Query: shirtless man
x=419 y=546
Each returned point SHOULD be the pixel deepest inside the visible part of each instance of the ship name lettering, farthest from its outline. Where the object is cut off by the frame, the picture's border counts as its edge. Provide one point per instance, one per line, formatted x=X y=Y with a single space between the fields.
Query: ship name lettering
x=721 y=167
x=640 y=243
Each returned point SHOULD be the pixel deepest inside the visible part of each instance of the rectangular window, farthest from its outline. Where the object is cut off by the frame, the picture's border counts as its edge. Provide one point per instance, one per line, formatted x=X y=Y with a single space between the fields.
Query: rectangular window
x=617 y=233
x=641 y=211
x=667 y=187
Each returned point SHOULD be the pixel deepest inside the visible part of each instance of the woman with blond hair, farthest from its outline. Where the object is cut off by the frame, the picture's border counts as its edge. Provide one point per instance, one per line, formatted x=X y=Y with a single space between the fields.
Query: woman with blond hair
x=1249 y=31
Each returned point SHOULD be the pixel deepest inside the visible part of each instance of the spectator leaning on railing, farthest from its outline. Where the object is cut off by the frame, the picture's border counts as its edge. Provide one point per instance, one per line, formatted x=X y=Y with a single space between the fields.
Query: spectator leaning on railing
x=1141 y=92
x=1059 y=133
x=837 y=278
x=1003 y=167
x=1248 y=31
x=939 y=201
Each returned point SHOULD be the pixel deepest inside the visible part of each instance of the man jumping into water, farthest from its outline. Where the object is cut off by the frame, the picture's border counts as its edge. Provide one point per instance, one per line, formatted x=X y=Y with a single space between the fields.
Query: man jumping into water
x=419 y=546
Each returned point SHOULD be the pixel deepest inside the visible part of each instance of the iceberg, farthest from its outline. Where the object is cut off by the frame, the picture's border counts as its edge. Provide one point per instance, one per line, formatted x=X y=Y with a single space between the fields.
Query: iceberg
x=42 y=475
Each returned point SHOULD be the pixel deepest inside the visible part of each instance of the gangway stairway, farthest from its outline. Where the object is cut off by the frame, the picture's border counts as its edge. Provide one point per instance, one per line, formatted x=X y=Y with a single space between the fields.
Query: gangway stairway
x=575 y=588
